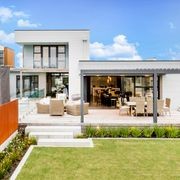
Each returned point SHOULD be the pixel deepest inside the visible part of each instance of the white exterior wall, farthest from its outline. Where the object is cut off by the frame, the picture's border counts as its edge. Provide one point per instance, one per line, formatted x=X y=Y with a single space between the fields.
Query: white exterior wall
x=28 y=56
x=42 y=82
x=171 y=89
x=78 y=49
x=12 y=79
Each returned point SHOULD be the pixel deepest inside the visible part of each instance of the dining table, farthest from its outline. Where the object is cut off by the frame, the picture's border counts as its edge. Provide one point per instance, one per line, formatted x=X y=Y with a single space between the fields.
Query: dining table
x=132 y=104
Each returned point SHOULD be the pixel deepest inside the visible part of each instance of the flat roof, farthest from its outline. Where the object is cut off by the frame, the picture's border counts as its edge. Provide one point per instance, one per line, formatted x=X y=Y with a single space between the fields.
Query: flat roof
x=51 y=30
x=144 y=60
x=138 y=66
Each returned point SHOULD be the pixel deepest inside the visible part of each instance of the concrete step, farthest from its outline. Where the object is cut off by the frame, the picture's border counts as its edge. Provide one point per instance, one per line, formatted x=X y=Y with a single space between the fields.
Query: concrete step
x=65 y=142
x=75 y=129
x=55 y=135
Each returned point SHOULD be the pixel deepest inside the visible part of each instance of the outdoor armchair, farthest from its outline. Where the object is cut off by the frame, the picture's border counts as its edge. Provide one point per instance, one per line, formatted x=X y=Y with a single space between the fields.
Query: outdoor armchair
x=42 y=108
x=56 y=107
x=74 y=109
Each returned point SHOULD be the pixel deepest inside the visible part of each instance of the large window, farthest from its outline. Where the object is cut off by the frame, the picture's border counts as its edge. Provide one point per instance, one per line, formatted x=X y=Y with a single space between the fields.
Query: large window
x=30 y=85
x=57 y=82
x=54 y=56
x=143 y=86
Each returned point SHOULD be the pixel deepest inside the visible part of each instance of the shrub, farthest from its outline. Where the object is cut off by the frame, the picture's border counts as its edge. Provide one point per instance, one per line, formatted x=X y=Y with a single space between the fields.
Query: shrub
x=159 y=132
x=81 y=136
x=135 y=132
x=90 y=131
x=147 y=132
x=178 y=133
x=123 y=132
x=14 y=152
x=171 y=132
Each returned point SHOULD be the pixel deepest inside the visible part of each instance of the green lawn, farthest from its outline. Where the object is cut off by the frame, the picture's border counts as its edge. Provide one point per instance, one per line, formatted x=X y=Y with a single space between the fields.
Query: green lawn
x=109 y=159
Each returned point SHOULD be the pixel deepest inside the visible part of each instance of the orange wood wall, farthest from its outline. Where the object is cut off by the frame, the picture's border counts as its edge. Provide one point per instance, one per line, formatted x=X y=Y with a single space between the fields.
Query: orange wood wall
x=8 y=119
x=8 y=57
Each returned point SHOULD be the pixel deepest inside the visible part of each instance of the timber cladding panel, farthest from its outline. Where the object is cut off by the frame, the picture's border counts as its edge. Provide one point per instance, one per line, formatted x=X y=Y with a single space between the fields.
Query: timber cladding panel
x=8 y=57
x=8 y=119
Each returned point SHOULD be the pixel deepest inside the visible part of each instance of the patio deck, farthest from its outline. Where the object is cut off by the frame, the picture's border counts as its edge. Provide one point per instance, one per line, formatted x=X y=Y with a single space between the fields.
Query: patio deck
x=103 y=117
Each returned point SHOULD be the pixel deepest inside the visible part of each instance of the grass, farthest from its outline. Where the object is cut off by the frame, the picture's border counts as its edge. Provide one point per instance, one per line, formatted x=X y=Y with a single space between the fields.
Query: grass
x=109 y=159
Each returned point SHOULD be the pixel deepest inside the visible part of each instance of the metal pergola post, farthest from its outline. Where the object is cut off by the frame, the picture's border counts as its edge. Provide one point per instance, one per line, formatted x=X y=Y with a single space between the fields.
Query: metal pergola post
x=21 y=84
x=82 y=97
x=155 y=93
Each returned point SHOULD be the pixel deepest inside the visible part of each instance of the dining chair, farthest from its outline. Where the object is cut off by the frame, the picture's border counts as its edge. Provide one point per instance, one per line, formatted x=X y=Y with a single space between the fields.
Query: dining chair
x=139 y=109
x=160 y=106
x=149 y=107
x=123 y=108
x=166 y=108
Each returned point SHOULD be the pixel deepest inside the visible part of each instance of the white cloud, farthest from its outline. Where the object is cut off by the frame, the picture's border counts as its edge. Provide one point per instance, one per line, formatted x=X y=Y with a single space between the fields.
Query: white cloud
x=26 y=23
x=121 y=49
x=171 y=25
x=6 y=38
x=174 y=53
x=20 y=59
x=7 y=13
x=20 y=14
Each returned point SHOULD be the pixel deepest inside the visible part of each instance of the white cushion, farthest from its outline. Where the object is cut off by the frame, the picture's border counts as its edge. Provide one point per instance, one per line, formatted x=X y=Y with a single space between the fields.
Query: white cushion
x=61 y=96
x=45 y=101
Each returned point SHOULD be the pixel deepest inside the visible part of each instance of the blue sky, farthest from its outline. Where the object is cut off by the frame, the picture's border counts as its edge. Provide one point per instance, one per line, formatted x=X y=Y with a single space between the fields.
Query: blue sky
x=120 y=29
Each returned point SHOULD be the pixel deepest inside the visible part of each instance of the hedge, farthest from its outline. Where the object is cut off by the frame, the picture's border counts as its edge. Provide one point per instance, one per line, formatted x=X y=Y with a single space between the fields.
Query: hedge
x=124 y=132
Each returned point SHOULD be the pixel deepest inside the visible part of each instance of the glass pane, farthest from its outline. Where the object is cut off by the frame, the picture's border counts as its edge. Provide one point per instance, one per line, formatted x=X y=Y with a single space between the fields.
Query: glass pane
x=139 y=92
x=45 y=57
x=148 y=81
x=1 y=54
x=37 y=64
x=37 y=57
x=61 y=57
x=26 y=84
x=61 y=49
x=37 y=49
x=148 y=92
x=144 y=81
x=1 y=61
x=61 y=64
x=129 y=85
x=139 y=81
x=53 y=57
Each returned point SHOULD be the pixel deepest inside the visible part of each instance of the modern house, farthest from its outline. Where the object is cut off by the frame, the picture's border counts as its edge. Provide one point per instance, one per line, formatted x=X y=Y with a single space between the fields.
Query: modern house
x=52 y=58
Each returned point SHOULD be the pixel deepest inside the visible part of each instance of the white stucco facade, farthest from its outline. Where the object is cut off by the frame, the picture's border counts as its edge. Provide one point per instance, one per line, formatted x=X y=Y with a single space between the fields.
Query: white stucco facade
x=171 y=89
x=77 y=42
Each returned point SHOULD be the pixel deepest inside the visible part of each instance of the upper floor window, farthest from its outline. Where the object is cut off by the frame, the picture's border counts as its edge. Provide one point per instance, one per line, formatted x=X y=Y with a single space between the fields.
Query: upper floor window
x=54 y=56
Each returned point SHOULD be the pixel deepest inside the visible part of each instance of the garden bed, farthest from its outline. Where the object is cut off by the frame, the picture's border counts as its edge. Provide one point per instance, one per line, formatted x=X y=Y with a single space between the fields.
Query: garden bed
x=12 y=155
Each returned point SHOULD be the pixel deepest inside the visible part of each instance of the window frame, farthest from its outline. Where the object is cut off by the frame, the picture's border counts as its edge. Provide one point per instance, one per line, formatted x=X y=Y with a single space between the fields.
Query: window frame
x=58 y=52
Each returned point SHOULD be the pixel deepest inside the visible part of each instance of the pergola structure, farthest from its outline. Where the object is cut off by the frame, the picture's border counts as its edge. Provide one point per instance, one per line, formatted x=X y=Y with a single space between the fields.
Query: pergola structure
x=117 y=68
